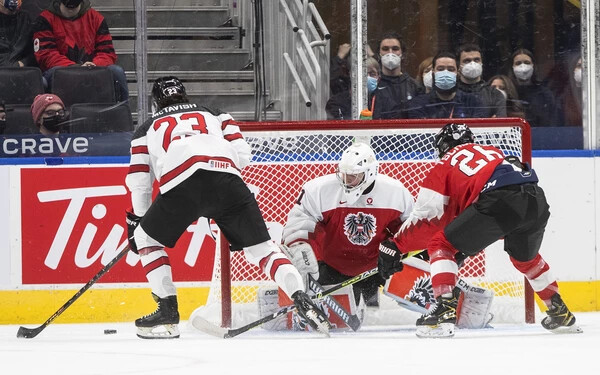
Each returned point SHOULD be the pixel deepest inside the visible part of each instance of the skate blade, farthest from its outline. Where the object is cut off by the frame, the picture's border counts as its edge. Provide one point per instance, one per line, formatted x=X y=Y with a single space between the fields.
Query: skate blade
x=166 y=331
x=440 y=331
x=322 y=327
x=566 y=330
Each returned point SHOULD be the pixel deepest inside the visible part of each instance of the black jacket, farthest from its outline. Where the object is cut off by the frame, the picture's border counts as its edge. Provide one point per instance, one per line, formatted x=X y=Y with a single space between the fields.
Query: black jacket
x=540 y=105
x=492 y=99
x=392 y=96
x=16 y=42
x=463 y=105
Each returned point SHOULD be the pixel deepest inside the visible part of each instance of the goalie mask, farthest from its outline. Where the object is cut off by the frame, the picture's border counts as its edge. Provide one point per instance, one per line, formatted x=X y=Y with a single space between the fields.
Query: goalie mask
x=167 y=91
x=451 y=136
x=357 y=171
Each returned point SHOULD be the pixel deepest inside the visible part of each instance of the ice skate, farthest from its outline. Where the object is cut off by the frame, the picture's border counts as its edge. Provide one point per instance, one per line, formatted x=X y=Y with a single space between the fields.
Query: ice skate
x=162 y=323
x=560 y=319
x=441 y=321
x=309 y=311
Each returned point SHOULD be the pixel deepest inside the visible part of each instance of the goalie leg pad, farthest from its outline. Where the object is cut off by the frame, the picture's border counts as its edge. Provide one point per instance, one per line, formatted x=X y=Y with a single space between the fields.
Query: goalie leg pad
x=476 y=306
x=268 y=303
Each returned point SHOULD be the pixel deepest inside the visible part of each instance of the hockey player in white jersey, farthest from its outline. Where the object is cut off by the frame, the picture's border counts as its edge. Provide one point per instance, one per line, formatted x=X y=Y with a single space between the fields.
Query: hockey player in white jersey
x=196 y=155
x=334 y=230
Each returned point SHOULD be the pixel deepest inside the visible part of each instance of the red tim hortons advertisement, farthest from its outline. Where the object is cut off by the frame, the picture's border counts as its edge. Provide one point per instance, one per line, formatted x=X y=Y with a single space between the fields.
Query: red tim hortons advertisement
x=73 y=223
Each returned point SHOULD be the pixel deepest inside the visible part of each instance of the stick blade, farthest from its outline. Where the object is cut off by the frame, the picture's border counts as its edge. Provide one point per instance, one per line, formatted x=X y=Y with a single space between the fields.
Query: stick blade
x=28 y=333
x=205 y=326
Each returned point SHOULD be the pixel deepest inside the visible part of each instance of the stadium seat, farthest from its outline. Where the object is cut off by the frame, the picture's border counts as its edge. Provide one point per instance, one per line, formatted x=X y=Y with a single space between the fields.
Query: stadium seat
x=20 y=85
x=93 y=84
x=101 y=118
x=19 y=120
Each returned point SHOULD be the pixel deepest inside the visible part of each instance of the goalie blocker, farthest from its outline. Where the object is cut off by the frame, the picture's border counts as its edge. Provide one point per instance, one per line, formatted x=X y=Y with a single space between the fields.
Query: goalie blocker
x=412 y=289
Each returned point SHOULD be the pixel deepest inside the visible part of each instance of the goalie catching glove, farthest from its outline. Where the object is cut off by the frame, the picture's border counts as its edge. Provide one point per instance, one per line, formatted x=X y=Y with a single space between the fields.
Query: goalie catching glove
x=132 y=221
x=390 y=258
x=303 y=258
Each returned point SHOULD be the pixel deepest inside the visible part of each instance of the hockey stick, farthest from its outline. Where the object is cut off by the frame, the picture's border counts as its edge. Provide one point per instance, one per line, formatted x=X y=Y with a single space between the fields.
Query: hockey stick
x=207 y=327
x=351 y=321
x=30 y=333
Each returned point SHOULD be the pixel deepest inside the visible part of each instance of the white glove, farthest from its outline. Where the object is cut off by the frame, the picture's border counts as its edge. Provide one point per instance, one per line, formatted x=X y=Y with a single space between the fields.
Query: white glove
x=303 y=258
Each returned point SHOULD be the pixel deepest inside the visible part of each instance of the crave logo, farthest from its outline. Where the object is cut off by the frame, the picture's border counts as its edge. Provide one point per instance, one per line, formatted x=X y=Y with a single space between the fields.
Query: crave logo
x=360 y=228
x=73 y=223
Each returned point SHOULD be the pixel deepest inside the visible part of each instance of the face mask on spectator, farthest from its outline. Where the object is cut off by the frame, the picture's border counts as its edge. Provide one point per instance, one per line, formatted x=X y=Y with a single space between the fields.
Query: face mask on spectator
x=503 y=93
x=371 y=84
x=428 y=79
x=71 y=3
x=523 y=71
x=54 y=123
x=577 y=75
x=391 y=61
x=445 y=80
x=472 y=70
x=12 y=5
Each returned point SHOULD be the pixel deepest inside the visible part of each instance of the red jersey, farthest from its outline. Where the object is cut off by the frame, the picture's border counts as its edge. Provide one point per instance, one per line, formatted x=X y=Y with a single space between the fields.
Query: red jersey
x=451 y=186
x=58 y=41
x=347 y=236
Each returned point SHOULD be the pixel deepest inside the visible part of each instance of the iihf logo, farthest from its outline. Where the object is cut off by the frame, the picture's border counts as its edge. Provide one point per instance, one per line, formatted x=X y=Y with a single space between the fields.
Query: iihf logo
x=360 y=228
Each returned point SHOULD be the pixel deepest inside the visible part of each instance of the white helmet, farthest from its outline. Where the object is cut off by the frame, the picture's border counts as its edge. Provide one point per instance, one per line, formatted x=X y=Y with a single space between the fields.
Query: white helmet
x=357 y=170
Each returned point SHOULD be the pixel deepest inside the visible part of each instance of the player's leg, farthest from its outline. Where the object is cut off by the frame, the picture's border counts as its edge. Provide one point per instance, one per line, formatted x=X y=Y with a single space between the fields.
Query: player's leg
x=244 y=227
x=162 y=225
x=523 y=246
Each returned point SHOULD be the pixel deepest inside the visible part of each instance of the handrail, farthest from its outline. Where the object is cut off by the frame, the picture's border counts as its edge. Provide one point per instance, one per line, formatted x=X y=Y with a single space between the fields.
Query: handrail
x=297 y=79
x=315 y=14
x=288 y=14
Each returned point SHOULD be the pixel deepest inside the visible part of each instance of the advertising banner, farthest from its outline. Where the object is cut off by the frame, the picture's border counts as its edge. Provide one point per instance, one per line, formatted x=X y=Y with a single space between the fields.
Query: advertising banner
x=73 y=223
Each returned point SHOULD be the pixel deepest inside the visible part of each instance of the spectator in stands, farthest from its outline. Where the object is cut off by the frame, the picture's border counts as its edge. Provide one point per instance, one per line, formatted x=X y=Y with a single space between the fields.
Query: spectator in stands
x=445 y=101
x=48 y=113
x=471 y=69
x=395 y=89
x=425 y=74
x=568 y=92
x=540 y=106
x=71 y=32
x=504 y=85
x=15 y=35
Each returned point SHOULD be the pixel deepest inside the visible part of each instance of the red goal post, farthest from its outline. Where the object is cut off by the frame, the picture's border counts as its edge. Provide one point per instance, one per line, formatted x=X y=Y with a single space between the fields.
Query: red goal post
x=287 y=154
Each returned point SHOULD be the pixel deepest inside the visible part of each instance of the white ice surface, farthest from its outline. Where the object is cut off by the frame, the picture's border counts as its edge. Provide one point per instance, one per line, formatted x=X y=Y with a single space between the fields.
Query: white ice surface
x=65 y=349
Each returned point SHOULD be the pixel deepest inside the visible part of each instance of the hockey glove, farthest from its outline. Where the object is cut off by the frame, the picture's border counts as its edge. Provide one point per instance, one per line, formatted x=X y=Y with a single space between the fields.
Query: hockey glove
x=389 y=261
x=303 y=258
x=132 y=221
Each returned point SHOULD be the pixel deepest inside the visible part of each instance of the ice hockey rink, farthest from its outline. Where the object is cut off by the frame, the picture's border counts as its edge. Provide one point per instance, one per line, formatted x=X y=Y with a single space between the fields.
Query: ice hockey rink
x=507 y=349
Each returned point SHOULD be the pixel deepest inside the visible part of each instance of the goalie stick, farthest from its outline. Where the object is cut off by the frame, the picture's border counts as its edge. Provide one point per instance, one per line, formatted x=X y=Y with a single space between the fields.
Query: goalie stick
x=351 y=321
x=211 y=329
x=30 y=333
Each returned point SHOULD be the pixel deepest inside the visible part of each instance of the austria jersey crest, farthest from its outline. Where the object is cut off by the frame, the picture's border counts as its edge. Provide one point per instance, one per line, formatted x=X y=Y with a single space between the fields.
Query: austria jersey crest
x=360 y=228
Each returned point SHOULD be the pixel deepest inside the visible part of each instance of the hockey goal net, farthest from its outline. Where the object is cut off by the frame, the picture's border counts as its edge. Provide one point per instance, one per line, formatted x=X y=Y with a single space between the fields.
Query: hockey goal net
x=286 y=155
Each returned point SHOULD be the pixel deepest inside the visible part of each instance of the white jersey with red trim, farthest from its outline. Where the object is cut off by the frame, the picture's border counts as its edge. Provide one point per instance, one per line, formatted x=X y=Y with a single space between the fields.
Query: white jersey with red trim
x=177 y=141
x=347 y=237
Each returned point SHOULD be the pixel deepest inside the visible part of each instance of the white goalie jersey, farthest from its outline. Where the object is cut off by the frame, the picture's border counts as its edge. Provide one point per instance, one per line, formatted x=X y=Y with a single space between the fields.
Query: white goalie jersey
x=177 y=141
x=345 y=236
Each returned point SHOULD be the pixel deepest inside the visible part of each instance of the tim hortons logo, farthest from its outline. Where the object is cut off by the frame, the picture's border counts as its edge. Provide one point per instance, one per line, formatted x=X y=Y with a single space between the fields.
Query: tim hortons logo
x=76 y=198
x=360 y=228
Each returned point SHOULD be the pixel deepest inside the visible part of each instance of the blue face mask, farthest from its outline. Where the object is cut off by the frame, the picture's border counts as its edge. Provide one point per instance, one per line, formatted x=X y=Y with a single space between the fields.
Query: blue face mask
x=445 y=80
x=371 y=84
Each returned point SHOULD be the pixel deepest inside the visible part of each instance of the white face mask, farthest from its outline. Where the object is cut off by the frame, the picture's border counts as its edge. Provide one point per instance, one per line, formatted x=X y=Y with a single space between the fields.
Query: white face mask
x=523 y=71
x=391 y=61
x=503 y=93
x=577 y=75
x=428 y=79
x=472 y=70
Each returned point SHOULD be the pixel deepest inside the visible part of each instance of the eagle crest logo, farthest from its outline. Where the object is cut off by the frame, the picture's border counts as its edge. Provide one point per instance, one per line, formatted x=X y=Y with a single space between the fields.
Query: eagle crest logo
x=360 y=228
x=422 y=292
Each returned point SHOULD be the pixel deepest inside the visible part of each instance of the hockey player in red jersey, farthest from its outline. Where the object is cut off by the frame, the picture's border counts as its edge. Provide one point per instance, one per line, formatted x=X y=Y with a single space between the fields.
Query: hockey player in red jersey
x=334 y=229
x=196 y=155
x=472 y=197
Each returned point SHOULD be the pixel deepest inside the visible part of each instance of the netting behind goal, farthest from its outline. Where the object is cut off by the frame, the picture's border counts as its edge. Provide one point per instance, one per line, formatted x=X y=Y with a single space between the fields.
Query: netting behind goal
x=286 y=155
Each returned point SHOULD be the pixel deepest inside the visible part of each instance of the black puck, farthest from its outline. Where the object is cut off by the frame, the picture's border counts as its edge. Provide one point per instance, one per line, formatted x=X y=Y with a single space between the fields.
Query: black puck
x=110 y=331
